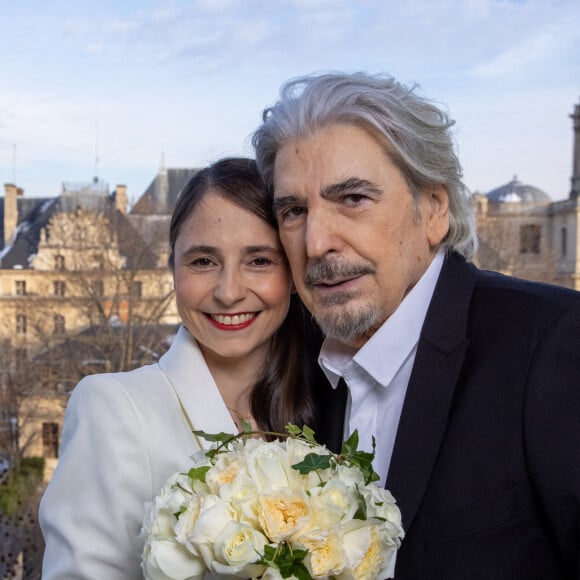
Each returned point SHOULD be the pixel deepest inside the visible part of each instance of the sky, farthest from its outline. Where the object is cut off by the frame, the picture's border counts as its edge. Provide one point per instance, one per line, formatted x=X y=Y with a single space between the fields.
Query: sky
x=116 y=89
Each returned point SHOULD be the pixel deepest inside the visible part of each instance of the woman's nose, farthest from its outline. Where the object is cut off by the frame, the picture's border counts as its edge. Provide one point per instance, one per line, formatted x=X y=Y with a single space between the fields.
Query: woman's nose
x=230 y=287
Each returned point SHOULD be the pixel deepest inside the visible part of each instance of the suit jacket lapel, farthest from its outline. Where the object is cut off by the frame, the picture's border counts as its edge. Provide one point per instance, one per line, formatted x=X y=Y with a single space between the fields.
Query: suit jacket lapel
x=330 y=405
x=438 y=362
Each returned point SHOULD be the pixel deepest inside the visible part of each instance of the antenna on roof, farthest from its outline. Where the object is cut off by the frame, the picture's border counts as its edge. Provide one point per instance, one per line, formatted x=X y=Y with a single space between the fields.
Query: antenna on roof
x=14 y=163
x=96 y=179
x=162 y=166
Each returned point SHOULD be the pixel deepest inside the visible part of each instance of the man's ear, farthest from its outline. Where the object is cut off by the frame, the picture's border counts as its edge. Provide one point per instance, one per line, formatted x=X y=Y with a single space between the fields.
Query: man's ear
x=437 y=213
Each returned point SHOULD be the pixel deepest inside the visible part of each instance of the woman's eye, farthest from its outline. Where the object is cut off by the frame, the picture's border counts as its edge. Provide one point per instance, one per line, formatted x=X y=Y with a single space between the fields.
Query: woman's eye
x=201 y=263
x=261 y=261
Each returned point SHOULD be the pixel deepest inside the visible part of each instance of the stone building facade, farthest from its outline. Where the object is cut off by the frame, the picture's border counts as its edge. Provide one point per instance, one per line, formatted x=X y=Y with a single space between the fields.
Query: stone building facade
x=84 y=288
x=524 y=233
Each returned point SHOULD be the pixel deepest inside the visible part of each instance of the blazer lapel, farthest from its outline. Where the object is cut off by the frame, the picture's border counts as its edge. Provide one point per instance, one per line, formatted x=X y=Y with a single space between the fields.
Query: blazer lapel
x=186 y=371
x=438 y=362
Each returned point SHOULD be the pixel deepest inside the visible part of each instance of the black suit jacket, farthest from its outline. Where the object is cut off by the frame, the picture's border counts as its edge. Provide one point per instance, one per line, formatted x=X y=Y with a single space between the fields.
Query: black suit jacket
x=486 y=464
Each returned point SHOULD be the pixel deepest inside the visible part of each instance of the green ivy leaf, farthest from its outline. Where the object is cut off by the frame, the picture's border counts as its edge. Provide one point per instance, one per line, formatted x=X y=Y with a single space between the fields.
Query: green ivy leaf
x=293 y=430
x=214 y=437
x=351 y=444
x=351 y=455
x=308 y=434
x=198 y=473
x=287 y=560
x=313 y=462
x=361 y=512
x=181 y=510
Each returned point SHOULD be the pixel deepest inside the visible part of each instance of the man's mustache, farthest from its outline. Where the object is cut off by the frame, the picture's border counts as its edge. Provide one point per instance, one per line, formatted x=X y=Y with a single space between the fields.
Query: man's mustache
x=333 y=271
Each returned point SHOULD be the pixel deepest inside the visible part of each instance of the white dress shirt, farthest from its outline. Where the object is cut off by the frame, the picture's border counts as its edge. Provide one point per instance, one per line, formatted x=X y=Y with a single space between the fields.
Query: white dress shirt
x=377 y=375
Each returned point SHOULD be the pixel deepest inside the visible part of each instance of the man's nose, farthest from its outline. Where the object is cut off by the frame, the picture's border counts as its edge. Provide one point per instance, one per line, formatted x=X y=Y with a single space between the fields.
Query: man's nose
x=322 y=234
x=230 y=287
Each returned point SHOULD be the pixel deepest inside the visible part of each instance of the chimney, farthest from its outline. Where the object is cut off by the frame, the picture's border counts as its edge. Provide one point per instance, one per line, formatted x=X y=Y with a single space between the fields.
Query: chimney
x=161 y=188
x=121 y=198
x=575 y=191
x=10 y=212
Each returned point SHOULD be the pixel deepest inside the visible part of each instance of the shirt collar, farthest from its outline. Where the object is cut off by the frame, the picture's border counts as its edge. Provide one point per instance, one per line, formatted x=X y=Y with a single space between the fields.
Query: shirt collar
x=397 y=336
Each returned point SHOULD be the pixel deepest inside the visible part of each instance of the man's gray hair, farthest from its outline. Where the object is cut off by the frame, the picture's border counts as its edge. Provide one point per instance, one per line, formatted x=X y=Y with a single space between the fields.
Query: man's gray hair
x=415 y=132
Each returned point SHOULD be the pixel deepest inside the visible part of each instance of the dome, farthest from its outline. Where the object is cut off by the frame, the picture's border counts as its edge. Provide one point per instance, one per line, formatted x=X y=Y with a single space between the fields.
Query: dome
x=517 y=192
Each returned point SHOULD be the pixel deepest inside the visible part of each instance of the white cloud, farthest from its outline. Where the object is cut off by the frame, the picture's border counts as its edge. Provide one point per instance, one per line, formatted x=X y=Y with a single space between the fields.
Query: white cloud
x=536 y=49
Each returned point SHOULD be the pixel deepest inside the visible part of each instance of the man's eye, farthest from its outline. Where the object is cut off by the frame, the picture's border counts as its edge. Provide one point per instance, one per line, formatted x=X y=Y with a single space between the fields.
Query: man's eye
x=353 y=198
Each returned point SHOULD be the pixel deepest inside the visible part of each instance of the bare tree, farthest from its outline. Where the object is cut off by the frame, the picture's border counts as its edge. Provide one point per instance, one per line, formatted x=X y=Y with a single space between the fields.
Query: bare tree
x=98 y=299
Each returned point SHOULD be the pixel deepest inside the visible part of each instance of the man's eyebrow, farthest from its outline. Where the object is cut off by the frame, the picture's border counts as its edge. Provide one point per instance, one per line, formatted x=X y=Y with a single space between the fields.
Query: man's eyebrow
x=331 y=192
x=280 y=203
x=350 y=185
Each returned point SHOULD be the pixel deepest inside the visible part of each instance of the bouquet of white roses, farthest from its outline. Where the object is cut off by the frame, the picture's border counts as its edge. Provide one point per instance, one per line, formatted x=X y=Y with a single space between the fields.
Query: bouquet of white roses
x=281 y=509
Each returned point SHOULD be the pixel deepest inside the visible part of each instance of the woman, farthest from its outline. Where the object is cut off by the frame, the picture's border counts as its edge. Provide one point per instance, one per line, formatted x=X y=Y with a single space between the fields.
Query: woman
x=246 y=352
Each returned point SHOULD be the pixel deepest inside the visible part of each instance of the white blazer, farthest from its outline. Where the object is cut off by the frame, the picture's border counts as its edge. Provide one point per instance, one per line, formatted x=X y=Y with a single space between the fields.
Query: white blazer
x=124 y=435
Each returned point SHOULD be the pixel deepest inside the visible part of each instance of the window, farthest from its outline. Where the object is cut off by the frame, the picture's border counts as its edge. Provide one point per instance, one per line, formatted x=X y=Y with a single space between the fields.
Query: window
x=99 y=261
x=20 y=358
x=564 y=241
x=50 y=440
x=21 y=324
x=20 y=287
x=59 y=262
x=98 y=288
x=136 y=289
x=58 y=324
x=59 y=288
x=530 y=236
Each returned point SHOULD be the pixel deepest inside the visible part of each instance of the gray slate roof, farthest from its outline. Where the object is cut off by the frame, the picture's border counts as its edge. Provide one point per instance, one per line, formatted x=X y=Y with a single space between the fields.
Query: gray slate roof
x=517 y=192
x=161 y=196
x=34 y=214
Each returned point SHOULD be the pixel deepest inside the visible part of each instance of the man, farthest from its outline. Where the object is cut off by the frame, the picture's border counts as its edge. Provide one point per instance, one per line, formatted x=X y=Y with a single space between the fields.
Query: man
x=469 y=380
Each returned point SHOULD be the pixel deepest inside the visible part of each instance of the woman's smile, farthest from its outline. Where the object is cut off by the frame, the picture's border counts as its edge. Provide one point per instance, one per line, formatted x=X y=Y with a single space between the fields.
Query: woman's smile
x=234 y=321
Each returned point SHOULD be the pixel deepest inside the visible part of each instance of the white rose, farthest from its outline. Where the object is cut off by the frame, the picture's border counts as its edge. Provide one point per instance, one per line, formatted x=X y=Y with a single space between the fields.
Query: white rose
x=168 y=560
x=283 y=513
x=333 y=503
x=268 y=466
x=187 y=520
x=237 y=548
x=271 y=574
x=367 y=549
x=381 y=504
x=326 y=556
x=157 y=520
x=242 y=495
x=212 y=518
x=159 y=514
x=351 y=476
x=225 y=470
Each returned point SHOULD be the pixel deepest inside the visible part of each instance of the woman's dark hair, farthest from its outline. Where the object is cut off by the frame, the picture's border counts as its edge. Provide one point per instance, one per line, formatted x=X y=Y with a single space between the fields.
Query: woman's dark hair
x=284 y=393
